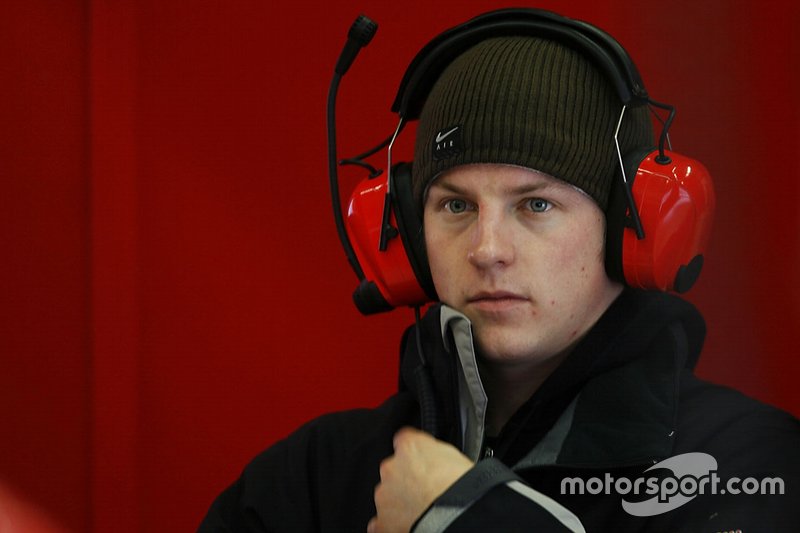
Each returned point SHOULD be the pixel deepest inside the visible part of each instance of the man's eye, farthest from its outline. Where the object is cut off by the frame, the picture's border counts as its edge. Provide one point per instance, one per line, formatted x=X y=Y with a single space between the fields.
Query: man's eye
x=456 y=206
x=538 y=205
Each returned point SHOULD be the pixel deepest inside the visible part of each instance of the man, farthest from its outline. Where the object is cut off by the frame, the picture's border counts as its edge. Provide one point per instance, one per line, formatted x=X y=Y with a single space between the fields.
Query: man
x=556 y=387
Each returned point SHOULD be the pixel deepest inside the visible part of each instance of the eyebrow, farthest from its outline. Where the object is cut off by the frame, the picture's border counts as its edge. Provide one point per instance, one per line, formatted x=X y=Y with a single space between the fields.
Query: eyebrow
x=518 y=190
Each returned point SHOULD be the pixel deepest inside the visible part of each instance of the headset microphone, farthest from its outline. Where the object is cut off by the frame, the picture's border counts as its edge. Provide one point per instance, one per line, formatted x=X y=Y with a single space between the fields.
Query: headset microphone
x=361 y=33
x=386 y=279
x=369 y=297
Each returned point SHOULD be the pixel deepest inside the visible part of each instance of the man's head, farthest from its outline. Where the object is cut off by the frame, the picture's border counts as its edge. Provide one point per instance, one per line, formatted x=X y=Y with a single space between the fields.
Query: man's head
x=513 y=165
x=539 y=91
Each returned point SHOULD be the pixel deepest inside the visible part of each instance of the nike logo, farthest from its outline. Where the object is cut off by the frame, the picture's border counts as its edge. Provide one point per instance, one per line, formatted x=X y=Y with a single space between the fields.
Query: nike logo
x=442 y=136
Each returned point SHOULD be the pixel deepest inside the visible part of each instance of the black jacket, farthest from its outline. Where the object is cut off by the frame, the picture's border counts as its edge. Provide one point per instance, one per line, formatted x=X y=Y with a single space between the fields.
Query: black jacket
x=623 y=401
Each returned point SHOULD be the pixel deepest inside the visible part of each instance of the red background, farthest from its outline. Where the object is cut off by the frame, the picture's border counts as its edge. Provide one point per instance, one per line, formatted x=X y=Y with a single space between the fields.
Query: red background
x=174 y=297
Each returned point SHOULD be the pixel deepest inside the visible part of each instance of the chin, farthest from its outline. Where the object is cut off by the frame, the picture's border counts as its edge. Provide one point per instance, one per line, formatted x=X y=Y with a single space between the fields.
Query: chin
x=502 y=350
x=518 y=345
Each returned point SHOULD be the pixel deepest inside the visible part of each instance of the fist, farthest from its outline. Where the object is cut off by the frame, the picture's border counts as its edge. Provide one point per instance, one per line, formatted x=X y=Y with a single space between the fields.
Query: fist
x=421 y=469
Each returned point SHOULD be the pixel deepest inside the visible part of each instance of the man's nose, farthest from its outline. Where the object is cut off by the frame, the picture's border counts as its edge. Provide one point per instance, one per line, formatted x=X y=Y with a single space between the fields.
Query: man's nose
x=492 y=243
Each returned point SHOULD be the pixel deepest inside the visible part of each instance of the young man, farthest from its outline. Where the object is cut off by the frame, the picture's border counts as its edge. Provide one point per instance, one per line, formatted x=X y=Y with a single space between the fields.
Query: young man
x=556 y=387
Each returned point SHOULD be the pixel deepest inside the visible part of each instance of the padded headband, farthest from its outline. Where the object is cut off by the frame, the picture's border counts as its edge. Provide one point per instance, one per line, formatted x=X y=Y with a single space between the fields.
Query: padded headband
x=602 y=49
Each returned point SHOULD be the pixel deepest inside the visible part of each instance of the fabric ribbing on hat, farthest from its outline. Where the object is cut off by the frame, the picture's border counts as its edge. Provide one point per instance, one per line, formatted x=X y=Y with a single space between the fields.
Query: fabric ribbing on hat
x=529 y=102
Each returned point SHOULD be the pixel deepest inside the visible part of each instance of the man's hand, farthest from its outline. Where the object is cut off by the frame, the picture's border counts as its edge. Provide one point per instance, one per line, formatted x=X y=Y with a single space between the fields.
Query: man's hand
x=420 y=470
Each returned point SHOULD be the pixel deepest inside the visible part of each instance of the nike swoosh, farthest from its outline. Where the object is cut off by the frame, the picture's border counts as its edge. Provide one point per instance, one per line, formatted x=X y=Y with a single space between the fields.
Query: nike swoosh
x=442 y=136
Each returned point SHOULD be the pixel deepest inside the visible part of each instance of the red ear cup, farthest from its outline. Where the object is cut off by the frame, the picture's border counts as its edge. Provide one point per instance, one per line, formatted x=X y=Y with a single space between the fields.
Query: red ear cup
x=391 y=270
x=676 y=204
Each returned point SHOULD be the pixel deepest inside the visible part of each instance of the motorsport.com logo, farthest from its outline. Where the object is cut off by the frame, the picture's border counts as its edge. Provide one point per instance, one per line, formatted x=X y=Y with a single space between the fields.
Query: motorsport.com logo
x=692 y=474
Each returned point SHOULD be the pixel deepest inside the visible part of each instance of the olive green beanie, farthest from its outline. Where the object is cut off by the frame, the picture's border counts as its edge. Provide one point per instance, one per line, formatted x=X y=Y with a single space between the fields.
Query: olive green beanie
x=529 y=102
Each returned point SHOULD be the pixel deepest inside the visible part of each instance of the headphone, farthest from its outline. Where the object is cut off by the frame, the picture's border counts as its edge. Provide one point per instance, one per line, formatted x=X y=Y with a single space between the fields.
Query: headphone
x=660 y=209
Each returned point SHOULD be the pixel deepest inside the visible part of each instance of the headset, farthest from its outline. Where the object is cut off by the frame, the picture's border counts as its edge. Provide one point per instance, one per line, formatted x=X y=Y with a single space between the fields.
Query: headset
x=660 y=209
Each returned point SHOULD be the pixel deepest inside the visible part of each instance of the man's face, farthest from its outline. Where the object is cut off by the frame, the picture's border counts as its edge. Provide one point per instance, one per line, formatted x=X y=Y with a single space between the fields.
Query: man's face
x=521 y=254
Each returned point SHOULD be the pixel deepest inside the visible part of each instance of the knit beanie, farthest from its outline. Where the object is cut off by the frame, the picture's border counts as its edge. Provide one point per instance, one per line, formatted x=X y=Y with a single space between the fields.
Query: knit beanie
x=528 y=102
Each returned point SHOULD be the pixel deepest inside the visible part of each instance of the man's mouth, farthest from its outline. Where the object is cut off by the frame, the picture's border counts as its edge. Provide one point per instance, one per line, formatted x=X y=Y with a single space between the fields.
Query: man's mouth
x=495 y=301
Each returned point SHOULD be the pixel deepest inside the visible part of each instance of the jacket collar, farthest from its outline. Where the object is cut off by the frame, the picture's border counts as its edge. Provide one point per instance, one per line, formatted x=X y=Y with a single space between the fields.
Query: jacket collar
x=612 y=402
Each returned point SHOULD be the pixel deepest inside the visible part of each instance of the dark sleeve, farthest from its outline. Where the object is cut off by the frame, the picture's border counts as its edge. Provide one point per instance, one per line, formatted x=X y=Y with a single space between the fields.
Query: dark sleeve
x=270 y=496
x=320 y=478
x=490 y=497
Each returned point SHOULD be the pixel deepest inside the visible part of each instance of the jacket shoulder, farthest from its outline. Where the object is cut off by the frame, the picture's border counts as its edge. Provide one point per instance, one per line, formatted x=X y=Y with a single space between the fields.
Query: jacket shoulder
x=741 y=432
x=317 y=477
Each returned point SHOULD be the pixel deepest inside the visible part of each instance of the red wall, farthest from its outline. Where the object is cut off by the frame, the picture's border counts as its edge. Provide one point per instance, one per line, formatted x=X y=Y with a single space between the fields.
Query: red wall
x=174 y=297
x=45 y=277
